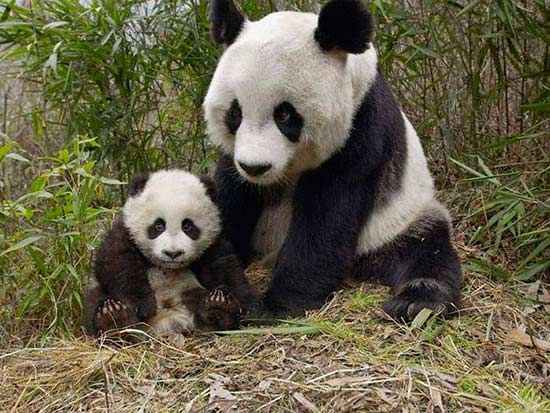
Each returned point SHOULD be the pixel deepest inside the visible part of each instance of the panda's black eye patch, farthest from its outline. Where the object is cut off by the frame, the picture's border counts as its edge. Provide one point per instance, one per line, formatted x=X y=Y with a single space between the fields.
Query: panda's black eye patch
x=190 y=229
x=289 y=121
x=157 y=228
x=233 y=117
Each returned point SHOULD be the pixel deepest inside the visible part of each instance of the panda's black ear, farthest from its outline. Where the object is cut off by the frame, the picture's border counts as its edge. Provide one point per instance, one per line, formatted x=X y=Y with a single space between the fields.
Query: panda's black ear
x=210 y=186
x=346 y=25
x=226 y=21
x=137 y=183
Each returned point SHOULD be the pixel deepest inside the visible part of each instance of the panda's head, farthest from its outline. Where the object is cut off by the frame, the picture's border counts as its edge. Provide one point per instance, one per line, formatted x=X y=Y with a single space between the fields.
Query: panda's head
x=284 y=93
x=171 y=217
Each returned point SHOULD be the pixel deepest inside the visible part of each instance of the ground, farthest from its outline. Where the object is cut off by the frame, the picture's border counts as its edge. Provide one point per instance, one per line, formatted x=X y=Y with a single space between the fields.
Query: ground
x=344 y=357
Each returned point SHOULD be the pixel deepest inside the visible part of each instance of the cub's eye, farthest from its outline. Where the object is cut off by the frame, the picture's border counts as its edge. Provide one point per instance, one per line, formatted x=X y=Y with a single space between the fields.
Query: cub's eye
x=160 y=225
x=186 y=225
x=234 y=117
x=289 y=121
x=190 y=229
x=156 y=228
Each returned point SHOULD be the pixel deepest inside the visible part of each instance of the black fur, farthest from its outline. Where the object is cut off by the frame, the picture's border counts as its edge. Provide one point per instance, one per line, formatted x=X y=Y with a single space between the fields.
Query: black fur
x=422 y=268
x=156 y=228
x=137 y=183
x=240 y=204
x=289 y=121
x=233 y=117
x=330 y=206
x=346 y=25
x=190 y=229
x=226 y=21
x=210 y=186
x=121 y=270
x=219 y=266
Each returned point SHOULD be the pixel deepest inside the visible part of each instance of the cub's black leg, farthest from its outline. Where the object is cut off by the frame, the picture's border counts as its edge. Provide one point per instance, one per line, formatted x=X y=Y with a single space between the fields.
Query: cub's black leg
x=422 y=268
x=102 y=313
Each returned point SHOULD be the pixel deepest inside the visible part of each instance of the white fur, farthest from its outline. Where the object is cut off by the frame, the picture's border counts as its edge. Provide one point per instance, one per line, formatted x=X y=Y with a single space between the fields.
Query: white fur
x=272 y=227
x=277 y=59
x=173 y=195
x=168 y=287
x=414 y=198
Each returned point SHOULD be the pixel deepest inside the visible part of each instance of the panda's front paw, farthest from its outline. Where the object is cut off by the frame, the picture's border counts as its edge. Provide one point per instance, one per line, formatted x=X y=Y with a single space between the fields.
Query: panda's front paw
x=219 y=311
x=114 y=314
x=418 y=294
x=259 y=310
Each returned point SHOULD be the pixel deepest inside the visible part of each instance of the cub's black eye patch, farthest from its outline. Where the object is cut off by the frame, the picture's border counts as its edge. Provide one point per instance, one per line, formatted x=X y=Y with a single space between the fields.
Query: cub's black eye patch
x=190 y=229
x=234 y=117
x=289 y=121
x=157 y=228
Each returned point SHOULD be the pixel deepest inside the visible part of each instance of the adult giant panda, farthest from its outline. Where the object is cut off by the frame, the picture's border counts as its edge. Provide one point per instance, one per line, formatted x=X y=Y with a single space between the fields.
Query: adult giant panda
x=320 y=168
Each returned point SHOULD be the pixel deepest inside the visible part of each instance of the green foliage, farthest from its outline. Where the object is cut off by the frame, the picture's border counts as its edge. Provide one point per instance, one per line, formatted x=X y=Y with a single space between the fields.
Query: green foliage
x=52 y=231
x=134 y=81
x=513 y=219
x=471 y=72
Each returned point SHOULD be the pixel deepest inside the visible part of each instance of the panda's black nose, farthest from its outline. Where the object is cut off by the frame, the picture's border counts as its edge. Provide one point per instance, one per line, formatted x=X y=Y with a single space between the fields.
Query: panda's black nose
x=172 y=254
x=255 y=170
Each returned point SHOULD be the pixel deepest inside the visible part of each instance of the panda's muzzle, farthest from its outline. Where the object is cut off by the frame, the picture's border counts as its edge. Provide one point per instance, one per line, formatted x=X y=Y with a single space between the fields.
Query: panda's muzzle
x=173 y=254
x=255 y=170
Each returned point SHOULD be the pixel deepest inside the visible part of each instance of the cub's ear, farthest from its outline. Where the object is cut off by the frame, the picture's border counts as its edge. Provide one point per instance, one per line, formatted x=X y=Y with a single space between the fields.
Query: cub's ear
x=346 y=25
x=137 y=183
x=210 y=186
x=226 y=21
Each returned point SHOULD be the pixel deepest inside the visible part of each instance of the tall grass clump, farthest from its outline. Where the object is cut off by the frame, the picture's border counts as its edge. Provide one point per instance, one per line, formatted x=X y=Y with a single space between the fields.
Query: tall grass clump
x=52 y=230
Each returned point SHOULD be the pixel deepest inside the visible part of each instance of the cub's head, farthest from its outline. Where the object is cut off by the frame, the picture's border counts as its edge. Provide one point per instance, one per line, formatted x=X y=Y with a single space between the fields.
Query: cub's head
x=171 y=217
x=285 y=90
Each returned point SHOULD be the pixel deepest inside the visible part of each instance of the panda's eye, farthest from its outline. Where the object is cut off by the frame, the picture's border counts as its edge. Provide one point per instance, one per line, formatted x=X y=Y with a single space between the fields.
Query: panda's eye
x=190 y=229
x=160 y=225
x=156 y=228
x=234 y=117
x=186 y=225
x=289 y=121
x=281 y=115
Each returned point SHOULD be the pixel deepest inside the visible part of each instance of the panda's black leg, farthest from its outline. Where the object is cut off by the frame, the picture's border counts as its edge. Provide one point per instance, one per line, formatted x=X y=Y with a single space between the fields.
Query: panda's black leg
x=233 y=197
x=423 y=270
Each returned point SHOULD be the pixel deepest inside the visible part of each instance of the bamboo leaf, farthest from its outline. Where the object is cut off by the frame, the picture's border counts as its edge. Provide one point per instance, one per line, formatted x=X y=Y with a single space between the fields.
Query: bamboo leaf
x=22 y=244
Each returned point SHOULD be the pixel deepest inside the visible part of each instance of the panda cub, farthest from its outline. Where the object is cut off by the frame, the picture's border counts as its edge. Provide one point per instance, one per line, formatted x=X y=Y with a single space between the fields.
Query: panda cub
x=164 y=263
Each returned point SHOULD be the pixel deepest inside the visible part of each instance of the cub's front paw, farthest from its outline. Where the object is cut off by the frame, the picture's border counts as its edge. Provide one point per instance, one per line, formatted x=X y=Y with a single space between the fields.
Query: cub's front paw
x=146 y=306
x=421 y=293
x=219 y=311
x=114 y=314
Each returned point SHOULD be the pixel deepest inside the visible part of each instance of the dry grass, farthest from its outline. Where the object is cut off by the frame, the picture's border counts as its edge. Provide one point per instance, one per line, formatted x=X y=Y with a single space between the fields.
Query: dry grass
x=356 y=362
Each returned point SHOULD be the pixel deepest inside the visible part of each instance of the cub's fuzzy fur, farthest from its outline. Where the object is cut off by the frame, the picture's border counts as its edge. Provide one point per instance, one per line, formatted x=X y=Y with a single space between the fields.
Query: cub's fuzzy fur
x=164 y=262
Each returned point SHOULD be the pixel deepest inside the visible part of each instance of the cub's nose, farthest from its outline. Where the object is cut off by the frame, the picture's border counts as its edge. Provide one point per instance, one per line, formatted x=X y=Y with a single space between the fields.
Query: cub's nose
x=172 y=254
x=255 y=170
